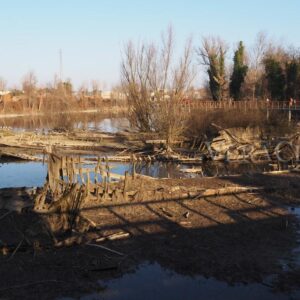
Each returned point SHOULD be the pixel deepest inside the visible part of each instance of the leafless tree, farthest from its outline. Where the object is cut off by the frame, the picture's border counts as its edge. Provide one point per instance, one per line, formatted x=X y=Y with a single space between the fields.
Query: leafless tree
x=3 y=84
x=29 y=87
x=256 y=56
x=96 y=88
x=156 y=84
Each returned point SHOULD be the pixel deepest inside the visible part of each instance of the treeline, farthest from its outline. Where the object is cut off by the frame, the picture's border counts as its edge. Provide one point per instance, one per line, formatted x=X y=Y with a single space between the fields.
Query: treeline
x=157 y=82
x=54 y=97
x=265 y=70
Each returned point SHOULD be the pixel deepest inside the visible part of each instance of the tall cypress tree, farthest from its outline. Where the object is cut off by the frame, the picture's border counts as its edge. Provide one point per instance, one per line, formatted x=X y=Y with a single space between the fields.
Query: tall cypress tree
x=239 y=72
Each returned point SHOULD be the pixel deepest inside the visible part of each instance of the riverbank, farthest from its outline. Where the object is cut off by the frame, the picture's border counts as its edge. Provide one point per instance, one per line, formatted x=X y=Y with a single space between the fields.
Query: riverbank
x=239 y=237
x=105 y=109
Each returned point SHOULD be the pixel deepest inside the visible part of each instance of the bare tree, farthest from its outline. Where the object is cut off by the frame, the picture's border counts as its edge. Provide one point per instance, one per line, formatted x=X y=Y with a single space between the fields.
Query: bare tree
x=3 y=83
x=256 y=69
x=212 y=55
x=156 y=85
x=96 y=88
x=29 y=88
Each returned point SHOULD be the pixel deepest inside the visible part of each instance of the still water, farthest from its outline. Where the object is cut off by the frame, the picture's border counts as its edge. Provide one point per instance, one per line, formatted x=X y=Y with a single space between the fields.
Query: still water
x=151 y=281
x=77 y=121
x=33 y=174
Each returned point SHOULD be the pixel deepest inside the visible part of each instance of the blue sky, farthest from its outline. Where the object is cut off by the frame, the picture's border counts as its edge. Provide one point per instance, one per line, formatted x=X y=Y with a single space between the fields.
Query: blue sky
x=91 y=32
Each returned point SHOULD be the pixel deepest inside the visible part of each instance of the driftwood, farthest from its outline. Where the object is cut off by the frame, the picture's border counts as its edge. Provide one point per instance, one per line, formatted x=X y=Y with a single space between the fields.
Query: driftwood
x=20 y=286
x=63 y=212
x=114 y=236
x=105 y=248
x=5 y=214
x=16 y=249
x=19 y=155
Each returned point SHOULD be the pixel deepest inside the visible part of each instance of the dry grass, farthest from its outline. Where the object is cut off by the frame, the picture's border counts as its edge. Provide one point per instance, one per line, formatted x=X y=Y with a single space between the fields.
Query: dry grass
x=199 y=122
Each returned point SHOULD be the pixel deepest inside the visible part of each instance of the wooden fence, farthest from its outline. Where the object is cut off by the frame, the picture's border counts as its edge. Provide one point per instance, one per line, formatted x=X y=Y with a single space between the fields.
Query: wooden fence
x=191 y=105
x=96 y=176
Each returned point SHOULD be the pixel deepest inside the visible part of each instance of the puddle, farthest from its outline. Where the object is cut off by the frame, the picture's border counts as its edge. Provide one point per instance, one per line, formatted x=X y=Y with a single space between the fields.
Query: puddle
x=295 y=257
x=151 y=281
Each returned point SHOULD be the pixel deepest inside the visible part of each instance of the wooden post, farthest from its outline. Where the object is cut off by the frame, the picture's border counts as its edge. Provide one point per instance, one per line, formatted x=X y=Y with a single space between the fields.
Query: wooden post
x=75 y=179
x=133 y=170
x=125 y=185
x=88 y=181
x=107 y=169
x=104 y=186
x=81 y=175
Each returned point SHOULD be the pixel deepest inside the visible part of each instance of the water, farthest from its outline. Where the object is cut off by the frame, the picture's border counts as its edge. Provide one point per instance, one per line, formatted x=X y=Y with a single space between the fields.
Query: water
x=22 y=174
x=76 y=121
x=33 y=174
x=151 y=281
x=110 y=125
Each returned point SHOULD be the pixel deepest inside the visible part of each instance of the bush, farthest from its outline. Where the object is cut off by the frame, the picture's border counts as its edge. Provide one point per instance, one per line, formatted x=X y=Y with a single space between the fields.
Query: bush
x=200 y=122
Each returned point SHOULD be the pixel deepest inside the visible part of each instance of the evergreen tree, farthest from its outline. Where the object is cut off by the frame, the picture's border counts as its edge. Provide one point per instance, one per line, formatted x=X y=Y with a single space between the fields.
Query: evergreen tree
x=239 y=72
x=216 y=73
x=212 y=54
x=292 y=76
x=275 y=78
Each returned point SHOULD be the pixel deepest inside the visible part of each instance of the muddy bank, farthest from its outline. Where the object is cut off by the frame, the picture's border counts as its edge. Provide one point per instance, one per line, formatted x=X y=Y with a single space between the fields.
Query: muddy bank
x=233 y=237
x=235 y=144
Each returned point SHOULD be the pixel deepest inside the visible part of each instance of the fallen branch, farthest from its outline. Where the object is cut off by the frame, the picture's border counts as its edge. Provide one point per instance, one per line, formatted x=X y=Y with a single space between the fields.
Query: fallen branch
x=16 y=250
x=105 y=248
x=30 y=284
x=114 y=236
x=6 y=214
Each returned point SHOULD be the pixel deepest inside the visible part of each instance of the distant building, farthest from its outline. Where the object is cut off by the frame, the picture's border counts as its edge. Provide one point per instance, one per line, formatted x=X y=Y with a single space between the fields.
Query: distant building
x=5 y=95
x=113 y=95
x=106 y=95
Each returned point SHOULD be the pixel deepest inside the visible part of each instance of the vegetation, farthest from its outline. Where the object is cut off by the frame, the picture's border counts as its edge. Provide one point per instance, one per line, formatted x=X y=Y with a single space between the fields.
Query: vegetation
x=275 y=78
x=157 y=82
x=239 y=72
x=212 y=55
x=200 y=123
x=156 y=85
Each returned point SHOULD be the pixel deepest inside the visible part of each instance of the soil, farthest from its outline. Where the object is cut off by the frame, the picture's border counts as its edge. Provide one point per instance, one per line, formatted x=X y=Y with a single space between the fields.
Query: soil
x=233 y=238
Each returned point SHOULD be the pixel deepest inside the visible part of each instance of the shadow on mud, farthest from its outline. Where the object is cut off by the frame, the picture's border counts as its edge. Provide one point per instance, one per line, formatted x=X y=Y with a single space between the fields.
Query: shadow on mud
x=239 y=238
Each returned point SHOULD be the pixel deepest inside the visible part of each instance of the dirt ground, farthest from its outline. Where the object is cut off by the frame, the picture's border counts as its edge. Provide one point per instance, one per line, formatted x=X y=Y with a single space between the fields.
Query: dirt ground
x=234 y=238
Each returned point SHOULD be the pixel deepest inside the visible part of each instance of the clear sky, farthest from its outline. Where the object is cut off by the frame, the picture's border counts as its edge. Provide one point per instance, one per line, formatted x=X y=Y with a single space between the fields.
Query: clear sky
x=91 y=33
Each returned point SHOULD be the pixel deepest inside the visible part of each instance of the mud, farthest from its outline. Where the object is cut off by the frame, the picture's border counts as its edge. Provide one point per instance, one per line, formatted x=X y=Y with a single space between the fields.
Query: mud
x=239 y=237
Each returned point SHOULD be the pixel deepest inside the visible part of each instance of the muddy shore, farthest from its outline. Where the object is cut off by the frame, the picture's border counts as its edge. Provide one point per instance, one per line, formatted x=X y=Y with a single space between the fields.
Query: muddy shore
x=233 y=238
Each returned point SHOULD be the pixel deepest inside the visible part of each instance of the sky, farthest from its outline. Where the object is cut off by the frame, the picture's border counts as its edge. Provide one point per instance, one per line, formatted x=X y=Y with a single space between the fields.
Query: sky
x=92 y=33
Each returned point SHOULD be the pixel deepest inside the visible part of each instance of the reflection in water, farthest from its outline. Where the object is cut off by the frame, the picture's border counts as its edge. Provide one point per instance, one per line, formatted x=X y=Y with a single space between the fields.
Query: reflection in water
x=111 y=125
x=90 y=121
x=33 y=174
x=151 y=281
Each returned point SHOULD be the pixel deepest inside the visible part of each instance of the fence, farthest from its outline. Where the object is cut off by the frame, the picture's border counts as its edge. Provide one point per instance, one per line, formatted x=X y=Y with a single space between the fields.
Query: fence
x=190 y=105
